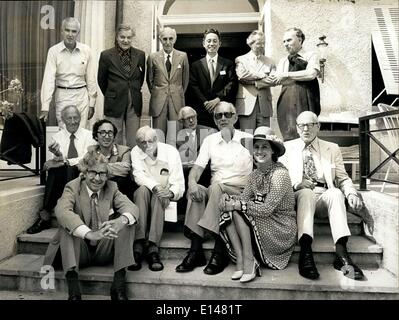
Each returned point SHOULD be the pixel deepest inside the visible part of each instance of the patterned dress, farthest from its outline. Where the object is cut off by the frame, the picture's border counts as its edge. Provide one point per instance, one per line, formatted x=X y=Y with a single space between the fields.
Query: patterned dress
x=270 y=214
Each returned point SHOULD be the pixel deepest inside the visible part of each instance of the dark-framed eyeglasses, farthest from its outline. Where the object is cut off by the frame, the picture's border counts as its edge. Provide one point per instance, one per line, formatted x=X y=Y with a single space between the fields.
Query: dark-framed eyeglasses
x=92 y=174
x=227 y=115
x=191 y=118
x=104 y=133
x=309 y=125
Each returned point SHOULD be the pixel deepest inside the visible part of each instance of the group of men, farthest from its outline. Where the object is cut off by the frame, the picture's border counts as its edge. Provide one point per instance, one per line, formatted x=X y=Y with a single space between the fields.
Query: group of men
x=100 y=224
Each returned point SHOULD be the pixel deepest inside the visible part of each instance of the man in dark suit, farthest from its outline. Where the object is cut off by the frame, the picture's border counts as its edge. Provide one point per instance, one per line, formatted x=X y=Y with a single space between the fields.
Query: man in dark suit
x=188 y=143
x=96 y=226
x=212 y=79
x=120 y=76
x=167 y=79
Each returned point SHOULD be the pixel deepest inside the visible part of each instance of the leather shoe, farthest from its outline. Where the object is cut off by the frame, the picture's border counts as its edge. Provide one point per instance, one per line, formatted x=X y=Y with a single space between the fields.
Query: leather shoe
x=306 y=265
x=119 y=295
x=216 y=264
x=75 y=297
x=348 y=268
x=39 y=226
x=193 y=259
x=138 y=257
x=154 y=261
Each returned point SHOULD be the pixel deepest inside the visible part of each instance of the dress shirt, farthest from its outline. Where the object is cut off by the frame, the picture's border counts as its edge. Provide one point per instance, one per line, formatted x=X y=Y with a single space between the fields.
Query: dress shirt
x=83 y=229
x=215 y=62
x=165 y=56
x=83 y=139
x=191 y=145
x=70 y=70
x=146 y=171
x=309 y=56
x=231 y=163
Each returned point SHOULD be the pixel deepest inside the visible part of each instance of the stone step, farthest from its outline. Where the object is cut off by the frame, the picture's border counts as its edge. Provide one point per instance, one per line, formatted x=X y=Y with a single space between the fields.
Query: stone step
x=175 y=245
x=22 y=272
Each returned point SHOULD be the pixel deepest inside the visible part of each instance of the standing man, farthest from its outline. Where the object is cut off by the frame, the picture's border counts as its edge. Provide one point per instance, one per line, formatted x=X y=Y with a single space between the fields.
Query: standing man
x=69 y=75
x=121 y=72
x=150 y=160
x=212 y=79
x=95 y=227
x=297 y=74
x=321 y=186
x=167 y=79
x=254 y=99
x=231 y=165
x=68 y=146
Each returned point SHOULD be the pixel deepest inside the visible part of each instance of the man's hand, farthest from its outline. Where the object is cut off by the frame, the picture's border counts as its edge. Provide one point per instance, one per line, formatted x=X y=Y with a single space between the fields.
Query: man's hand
x=112 y=227
x=194 y=192
x=55 y=149
x=355 y=202
x=211 y=104
x=44 y=115
x=277 y=78
x=164 y=202
x=305 y=184
x=50 y=164
x=91 y=113
x=95 y=235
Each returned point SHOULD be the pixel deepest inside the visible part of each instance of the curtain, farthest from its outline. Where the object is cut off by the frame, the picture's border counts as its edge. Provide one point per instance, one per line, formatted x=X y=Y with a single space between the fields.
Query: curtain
x=25 y=41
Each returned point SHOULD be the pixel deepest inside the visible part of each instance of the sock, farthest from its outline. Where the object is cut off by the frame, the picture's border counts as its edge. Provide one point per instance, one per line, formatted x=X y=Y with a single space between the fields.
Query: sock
x=138 y=246
x=72 y=278
x=340 y=247
x=306 y=241
x=220 y=247
x=152 y=247
x=196 y=242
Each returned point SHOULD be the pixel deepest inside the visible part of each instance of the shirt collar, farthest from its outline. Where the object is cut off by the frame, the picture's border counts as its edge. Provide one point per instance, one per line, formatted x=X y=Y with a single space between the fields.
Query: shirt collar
x=114 y=151
x=76 y=134
x=253 y=55
x=215 y=58
x=165 y=55
x=123 y=52
x=91 y=192
x=313 y=145
x=142 y=155
x=236 y=137
x=63 y=46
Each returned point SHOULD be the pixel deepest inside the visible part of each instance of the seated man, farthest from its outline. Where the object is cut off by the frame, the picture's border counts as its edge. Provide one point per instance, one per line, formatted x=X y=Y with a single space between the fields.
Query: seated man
x=119 y=162
x=95 y=221
x=231 y=165
x=67 y=146
x=321 y=185
x=150 y=158
x=189 y=140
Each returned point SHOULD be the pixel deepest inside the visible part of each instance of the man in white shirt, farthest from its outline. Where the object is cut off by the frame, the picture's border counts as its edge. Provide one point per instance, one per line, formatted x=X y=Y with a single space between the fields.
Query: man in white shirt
x=231 y=165
x=297 y=73
x=167 y=79
x=68 y=146
x=89 y=232
x=321 y=187
x=150 y=159
x=69 y=75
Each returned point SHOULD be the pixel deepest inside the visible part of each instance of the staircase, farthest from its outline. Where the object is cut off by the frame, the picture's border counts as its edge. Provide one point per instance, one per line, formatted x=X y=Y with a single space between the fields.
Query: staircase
x=22 y=272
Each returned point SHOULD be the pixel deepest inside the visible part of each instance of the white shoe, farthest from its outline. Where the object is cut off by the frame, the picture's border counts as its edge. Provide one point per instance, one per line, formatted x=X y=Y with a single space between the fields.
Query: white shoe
x=250 y=276
x=237 y=275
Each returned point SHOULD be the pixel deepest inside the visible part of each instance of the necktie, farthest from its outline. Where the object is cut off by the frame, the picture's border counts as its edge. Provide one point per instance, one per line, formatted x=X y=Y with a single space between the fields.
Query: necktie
x=187 y=140
x=95 y=221
x=211 y=71
x=309 y=168
x=126 y=61
x=72 y=152
x=168 y=64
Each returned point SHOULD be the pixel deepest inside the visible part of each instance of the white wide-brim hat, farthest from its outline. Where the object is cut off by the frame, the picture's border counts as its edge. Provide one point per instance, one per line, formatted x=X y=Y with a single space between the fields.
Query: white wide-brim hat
x=267 y=134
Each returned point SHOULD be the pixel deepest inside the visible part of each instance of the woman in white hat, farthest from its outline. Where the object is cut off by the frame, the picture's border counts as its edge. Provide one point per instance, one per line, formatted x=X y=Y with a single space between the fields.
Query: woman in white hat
x=264 y=212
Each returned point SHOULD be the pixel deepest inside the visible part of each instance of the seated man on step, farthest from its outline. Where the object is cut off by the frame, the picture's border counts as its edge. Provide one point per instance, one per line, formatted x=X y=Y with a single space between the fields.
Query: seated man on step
x=321 y=184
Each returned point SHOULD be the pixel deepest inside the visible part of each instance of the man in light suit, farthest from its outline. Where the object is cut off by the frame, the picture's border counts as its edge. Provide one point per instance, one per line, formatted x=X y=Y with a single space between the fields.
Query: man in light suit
x=254 y=99
x=212 y=79
x=120 y=76
x=321 y=185
x=96 y=226
x=167 y=79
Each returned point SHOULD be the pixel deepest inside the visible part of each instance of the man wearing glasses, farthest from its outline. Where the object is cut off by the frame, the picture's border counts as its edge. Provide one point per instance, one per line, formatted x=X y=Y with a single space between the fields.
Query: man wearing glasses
x=150 y=160
x=68 y=146
x=118 y=156
x=231 y=165
x=96 y=226
x=212 y=79
x=321 y=186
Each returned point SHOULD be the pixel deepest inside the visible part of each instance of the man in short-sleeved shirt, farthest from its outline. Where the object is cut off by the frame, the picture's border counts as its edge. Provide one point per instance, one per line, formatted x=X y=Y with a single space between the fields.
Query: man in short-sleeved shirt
x=69 y=75
x=231 y=165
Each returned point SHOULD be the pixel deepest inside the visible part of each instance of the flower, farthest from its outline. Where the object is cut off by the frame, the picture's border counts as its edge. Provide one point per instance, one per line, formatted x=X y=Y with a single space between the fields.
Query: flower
x=6 y=108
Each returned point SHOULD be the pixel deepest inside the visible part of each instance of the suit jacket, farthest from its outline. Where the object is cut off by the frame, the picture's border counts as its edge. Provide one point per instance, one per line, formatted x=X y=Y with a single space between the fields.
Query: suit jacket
x=250 y=70
x=162 y=86
x=331 y=161
x=73 y=209
x=224 y=87
x=115 y=84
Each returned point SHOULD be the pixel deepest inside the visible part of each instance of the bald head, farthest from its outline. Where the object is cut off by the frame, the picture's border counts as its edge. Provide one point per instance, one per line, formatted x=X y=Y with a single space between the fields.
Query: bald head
x=307 y=116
